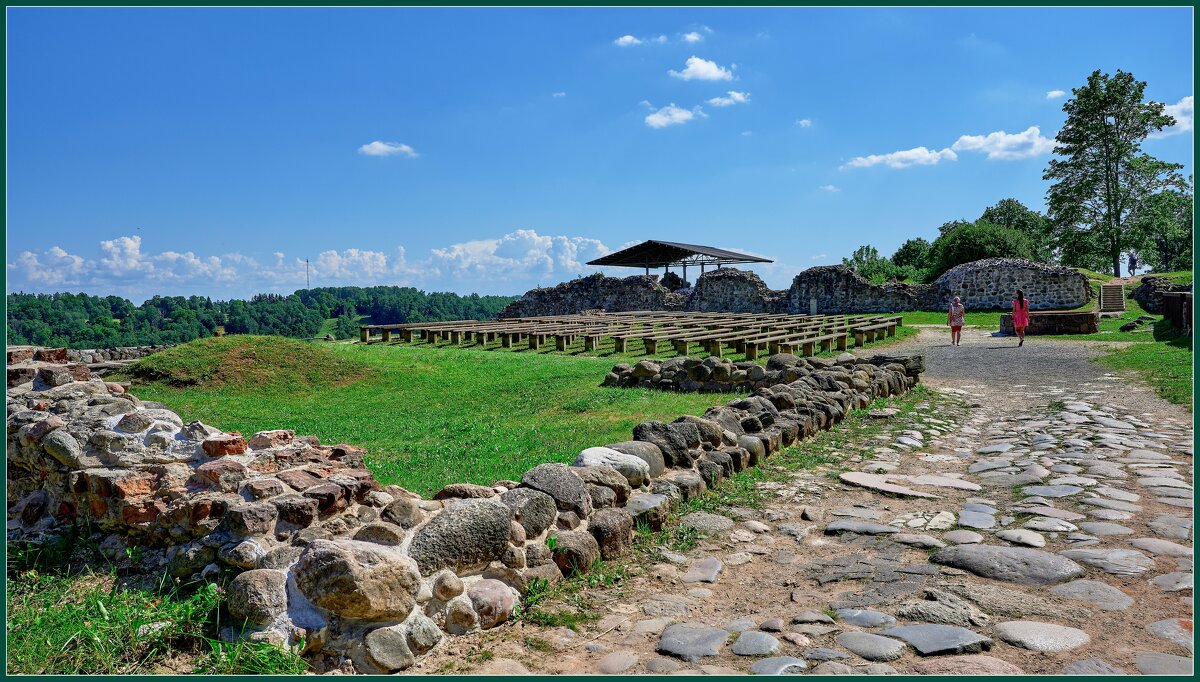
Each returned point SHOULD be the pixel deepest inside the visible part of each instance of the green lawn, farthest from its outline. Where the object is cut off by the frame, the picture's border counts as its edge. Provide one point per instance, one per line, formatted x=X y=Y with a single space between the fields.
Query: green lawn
x=1181 y=277
x=1164 y=361
x=328 y=325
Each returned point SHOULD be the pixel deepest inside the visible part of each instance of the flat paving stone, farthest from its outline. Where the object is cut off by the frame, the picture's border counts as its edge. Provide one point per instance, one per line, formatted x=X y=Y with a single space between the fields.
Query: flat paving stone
x=1043 y=637
x=706 y=570
x=705 y=522
x=1049 y=525
x=871 y=647
x=976 y=520
x=1111 y=504
x=1158 y=546
x=1102 y=529
x=1052 y=512
x=865 y=619
x=617 y=662
x=1102 y=595
x=1010 y=564
x=1176 y=581
x=963 y=537
x=1153 y=663
x=1027 y=538
x=825 y=654
x=1114 y=561
x=692 y=641
x=880 y=483
x=1091 y=666
x=861 y=527
x=932 y=640
x=1052 y=491
x=1175 y=630
x=971 y=664
x=779 y=665
x=755 y=643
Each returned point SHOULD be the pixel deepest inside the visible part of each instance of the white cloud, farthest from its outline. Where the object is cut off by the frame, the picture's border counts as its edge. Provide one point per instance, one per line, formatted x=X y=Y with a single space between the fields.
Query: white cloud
x=626 y=41
x=559 y=94
x=660 y=40
x=698 y=69
x=378 y=148
x=918 y=156
x=692 y=37
x=672 y=115
x=731 y=98
x=1055 y=94
x=804 y=122
x=123 y=257
x=1182 y=112
x=517 y=255
x=829 y=188
x=1003 y=146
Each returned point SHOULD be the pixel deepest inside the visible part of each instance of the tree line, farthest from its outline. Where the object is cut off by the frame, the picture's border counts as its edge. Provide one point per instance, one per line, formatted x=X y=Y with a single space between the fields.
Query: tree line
x=85 y=321
x=1109 y=202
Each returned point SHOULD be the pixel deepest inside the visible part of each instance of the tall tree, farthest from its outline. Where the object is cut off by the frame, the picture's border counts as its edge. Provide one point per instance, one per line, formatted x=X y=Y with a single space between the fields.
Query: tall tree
x=1164 y=229
x=1103 y=177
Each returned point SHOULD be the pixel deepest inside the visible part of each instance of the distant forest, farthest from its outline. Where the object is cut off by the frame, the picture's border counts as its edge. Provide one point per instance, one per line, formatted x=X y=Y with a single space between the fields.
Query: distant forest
x=83 y=321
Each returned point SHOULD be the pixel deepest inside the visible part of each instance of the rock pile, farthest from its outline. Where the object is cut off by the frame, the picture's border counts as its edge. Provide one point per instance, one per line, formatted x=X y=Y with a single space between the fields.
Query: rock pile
x=67 y=364
x=377 y=576
x=713 y=374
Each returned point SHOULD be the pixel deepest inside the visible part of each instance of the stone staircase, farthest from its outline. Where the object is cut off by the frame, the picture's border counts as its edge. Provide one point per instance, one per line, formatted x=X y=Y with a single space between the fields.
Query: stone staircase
x=1112 y=298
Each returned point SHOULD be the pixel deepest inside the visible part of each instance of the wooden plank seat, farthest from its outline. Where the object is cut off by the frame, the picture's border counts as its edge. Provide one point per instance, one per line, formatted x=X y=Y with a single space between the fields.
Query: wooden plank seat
x=867 y=334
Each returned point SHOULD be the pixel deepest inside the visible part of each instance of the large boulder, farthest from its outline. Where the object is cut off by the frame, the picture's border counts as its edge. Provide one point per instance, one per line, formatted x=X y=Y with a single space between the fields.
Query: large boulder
x=493 y=601
x=606 y=477
x=635 y=469
x=465 y=535
x=674 y=440
x=575 y=551
x=533 y=509
x=257 y=597
x=560 y=483
x=649 y=453
x=613 y=530
x=358 y=580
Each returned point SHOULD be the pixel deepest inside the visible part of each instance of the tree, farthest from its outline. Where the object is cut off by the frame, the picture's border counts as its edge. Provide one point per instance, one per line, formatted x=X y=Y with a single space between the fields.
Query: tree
x=1014 y=215
x=1103 y=178
x=912 y=253
x=867 y=262
x=976 y=241
x=1163 y=226
x=951 y=226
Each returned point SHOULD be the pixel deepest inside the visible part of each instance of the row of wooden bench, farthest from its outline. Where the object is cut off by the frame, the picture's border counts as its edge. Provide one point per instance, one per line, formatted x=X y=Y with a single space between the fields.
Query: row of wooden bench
x=745 y=333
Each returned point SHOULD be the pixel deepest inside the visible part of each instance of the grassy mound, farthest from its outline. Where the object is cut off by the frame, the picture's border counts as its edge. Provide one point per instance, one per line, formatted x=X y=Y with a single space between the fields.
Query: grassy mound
x=248 y=363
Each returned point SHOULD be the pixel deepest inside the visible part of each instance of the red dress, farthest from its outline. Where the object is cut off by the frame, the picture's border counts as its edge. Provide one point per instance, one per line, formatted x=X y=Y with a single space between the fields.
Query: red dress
x=1020 y=314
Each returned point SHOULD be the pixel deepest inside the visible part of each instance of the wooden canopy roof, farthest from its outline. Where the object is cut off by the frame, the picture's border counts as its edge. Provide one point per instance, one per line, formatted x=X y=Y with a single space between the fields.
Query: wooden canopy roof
x=655 y=253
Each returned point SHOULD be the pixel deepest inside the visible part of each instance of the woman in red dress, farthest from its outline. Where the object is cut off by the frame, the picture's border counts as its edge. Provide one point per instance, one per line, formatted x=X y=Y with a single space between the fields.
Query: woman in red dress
x=1020 y=315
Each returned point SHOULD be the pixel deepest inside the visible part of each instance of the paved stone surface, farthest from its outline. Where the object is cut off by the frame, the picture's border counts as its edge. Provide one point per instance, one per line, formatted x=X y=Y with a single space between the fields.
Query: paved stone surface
x=1010 y=564
x=1114 y=561
x=976 y=664
x=1101 y=595
x=1091 y=666
x=871 y=647
x=755 y=643
x=1153 y=663
x=692 y=641
x=1177 y=630
x=779 y=665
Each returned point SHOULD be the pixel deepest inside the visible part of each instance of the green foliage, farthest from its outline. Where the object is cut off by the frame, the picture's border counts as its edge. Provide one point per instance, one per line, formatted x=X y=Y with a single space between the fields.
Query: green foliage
x=975 y=241
x=83 y=321
x=913 y=253
x=1163 y=228
x=1014 y=215
x=867 y=262
x=1103 y=180
x=1165 y=362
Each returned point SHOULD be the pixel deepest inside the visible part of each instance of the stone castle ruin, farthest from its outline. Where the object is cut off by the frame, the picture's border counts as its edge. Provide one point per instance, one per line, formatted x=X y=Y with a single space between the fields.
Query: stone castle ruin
x=836 y=289
x=370 y=577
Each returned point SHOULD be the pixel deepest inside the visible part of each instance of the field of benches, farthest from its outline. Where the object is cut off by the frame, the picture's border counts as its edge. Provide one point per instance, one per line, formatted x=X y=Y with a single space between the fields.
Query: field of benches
x=749 y=334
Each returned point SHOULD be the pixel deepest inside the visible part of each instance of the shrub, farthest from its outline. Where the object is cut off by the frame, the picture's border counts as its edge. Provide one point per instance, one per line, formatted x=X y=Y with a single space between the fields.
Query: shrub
x=975 y=242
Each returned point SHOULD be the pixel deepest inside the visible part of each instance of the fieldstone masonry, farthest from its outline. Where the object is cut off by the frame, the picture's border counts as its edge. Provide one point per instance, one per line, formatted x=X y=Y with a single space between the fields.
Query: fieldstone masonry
x=360 y=573
x=837 y=289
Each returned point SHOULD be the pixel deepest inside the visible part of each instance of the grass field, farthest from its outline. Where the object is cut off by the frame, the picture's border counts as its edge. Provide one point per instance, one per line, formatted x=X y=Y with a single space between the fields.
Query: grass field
x=428 y=416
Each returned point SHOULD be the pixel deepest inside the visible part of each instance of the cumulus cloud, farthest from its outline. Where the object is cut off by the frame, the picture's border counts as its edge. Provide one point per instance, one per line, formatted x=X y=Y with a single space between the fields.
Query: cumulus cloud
x=998 y=145
x=121 y=266
x=672 y=115
x=1183 y=113
x=917 y=156
x=697 y=69
x=1055 y=94
x=378 y=148
x=692 y=37
x=1002 y=145
x=559 y=94
x=731 y=98
x=627 y=41
x=829 y=188
x=804 y=122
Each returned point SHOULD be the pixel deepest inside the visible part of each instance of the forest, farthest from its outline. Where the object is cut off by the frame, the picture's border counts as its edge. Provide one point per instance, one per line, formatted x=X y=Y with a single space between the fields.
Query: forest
x=85 y=321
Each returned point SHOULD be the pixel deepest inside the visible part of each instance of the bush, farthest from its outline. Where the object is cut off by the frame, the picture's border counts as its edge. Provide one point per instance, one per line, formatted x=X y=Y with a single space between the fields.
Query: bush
x=975 y=242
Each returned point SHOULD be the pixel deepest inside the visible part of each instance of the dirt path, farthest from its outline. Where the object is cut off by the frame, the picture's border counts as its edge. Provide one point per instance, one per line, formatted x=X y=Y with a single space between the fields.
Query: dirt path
x=1042 y=525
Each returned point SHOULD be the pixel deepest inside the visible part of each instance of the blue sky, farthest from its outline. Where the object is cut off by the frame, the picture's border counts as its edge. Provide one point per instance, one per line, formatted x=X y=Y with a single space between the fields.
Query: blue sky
x=210 y=151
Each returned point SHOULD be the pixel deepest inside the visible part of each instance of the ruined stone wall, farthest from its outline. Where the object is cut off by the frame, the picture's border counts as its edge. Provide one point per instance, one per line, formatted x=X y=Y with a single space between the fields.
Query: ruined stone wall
x=1149 y=294
x=984 y=284
x=94 y=355
x=595 y=292
x=370 y=575
x=1086 y=322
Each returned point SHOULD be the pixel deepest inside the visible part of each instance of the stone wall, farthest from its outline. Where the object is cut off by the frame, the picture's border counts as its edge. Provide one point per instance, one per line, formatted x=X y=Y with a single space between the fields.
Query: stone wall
x=1085 y=322
x=1149 y=294
x=95 y=355
x=983 y=284
x=368 y=576
x=717 y=375
x=58 y=366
